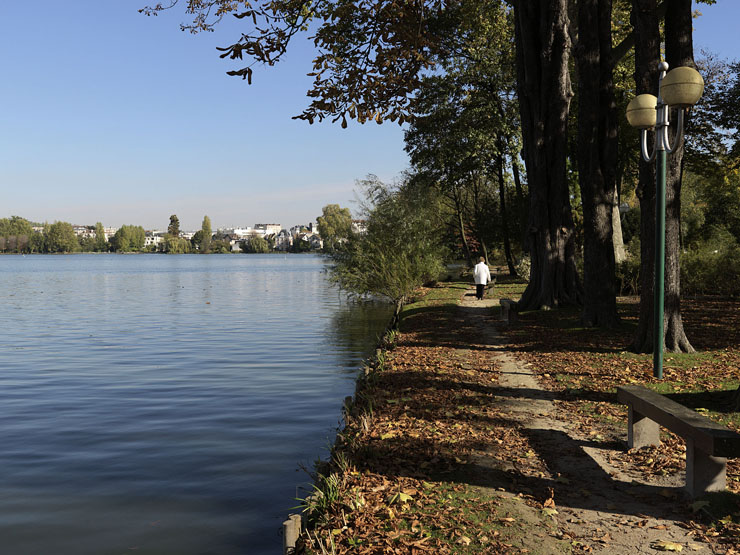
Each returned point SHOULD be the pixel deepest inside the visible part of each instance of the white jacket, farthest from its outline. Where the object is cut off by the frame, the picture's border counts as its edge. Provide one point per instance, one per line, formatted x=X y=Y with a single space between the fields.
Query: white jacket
x=481 y=273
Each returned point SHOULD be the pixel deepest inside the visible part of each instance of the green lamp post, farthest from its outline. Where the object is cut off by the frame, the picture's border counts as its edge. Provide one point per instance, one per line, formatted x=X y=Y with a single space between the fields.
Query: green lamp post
x=680 y=88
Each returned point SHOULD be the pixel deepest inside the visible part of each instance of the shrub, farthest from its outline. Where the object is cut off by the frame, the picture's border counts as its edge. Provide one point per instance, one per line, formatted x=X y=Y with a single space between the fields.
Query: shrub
x=523 y=267
x=711 y=269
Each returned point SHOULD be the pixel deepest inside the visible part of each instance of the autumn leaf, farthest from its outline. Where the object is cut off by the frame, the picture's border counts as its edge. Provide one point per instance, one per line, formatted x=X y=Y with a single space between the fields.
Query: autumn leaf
x=399 y=497
x=464 y=540
x=666 y=546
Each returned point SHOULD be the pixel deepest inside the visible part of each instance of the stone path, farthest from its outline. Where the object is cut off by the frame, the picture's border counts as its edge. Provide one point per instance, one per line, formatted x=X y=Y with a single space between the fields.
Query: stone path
x=604 y=509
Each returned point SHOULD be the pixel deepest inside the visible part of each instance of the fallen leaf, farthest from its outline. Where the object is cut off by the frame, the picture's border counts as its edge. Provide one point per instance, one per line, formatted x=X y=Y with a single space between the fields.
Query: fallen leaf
x=399 y=498
x=666 y=546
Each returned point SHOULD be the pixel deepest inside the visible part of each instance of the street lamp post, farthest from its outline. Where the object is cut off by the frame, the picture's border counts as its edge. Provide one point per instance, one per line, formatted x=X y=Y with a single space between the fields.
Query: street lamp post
x=680 y=88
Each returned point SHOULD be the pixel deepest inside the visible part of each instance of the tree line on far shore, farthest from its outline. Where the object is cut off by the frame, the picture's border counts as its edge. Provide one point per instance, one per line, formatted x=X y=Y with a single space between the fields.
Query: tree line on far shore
x=17 y=235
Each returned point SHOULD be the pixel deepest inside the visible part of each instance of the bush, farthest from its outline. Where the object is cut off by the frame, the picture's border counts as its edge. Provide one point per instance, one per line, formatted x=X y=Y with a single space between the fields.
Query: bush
x=523 y=267
x=711 y=269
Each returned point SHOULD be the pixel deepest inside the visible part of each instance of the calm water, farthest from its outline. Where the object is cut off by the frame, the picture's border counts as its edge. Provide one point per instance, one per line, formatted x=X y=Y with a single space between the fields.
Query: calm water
x=162 y=405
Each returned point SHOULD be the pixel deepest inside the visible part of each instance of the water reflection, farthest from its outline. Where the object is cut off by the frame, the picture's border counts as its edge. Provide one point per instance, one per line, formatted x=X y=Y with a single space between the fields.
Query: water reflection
x=356 y=326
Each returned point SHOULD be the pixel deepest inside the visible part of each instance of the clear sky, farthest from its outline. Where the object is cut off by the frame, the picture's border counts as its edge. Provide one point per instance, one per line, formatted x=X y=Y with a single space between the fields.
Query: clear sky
x=108 y=115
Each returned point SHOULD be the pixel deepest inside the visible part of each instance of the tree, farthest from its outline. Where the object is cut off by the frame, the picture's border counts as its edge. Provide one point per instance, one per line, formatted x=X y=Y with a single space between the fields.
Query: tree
x=543 y=48
x=301 y=244
x=401 y=249
x=37 y=242
x=16 y=233
x=466 y=126
x=128 y=238
x=197 y=239
x=101 y=243
x=597 y=159
x=205 y=241
x=257 y=245
x=679 y=51
x=174 y=227
x=176 y=245
x=335 y=226
x=60 y=237
x=87 y=243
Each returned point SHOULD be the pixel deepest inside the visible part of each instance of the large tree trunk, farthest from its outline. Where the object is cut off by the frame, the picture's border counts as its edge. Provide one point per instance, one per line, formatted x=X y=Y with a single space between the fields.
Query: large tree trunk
x=542 y=52
x=679 y=52
x=647 y=56
x=597 y=159
x=504 y=214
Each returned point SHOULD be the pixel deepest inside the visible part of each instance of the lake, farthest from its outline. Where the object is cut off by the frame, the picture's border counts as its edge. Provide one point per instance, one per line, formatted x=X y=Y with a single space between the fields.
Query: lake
x=158 y=404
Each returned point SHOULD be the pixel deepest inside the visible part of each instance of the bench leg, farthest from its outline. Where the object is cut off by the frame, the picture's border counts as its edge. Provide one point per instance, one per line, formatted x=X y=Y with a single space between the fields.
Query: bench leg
x=641 y=431
x=504 y=313
x=704 y=473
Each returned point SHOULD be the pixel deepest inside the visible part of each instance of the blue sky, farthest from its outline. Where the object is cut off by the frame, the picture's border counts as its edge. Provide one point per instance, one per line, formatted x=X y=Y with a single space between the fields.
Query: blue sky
x=108 y=115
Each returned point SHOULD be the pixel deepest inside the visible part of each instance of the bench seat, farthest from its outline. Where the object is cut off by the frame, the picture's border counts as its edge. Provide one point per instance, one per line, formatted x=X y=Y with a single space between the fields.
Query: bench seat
x=708 y=444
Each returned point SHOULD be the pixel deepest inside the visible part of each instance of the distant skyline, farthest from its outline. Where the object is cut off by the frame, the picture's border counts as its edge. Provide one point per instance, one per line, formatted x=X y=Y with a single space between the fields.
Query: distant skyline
x=108 y=115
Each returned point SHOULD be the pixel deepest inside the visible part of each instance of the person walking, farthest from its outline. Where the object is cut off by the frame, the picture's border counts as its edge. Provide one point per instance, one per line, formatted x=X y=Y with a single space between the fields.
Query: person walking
x=482 y=276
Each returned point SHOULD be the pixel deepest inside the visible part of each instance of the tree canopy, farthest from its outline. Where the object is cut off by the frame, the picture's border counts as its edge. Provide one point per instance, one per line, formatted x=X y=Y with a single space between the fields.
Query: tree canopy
x=128 y=238
x=174 y=226
x=335 y=225
x=371 y=54
x=60 y=237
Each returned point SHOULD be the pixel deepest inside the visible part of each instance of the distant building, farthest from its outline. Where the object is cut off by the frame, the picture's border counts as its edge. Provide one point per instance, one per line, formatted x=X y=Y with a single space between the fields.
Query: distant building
x=297 y=230
x=283 y=240
x=153 y=240
x=236 y=231
x=84 y=231
x=312 y=239
x=359 y=226
x=267 y=229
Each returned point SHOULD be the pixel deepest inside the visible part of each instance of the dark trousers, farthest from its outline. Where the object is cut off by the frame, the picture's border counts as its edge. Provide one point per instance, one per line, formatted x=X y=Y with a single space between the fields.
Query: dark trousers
x=479 y=288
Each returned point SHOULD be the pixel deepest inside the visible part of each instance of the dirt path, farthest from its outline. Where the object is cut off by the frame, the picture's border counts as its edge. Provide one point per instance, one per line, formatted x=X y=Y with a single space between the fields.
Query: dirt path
x=600 y=508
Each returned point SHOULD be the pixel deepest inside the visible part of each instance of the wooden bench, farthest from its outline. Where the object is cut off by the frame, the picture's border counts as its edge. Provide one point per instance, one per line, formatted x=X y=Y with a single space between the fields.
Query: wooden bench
x=708 y=444
x=508 y=310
